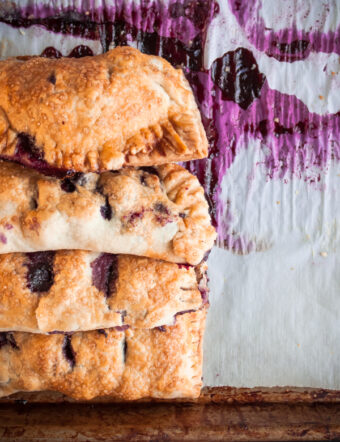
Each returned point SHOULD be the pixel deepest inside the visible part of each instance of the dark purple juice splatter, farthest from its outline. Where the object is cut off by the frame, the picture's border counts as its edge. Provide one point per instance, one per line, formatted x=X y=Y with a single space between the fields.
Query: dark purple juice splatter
x=77 y=52
x=237 y=76
x=105 y=273
x=289 y=44
x=80 y=51
x=293 y=51
x=67 y=22
x=51 y=52
x=40 y=275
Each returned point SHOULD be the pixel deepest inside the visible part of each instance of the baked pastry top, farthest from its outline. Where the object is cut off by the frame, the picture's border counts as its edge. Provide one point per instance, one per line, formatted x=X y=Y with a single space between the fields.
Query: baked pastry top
x=159 y=212
x=77 y=290
x=164 y=362
x=98 y=113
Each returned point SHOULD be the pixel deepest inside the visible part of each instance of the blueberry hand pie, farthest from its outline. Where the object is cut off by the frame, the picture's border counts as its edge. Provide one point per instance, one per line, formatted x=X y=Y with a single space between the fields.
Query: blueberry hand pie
x=159 y=212
x=75 y=290
x=100 y=234
x=164 y=362
x=97 y=113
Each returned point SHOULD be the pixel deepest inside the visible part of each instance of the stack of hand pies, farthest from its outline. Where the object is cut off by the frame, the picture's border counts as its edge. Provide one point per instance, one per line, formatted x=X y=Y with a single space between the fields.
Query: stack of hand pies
x=102 y=236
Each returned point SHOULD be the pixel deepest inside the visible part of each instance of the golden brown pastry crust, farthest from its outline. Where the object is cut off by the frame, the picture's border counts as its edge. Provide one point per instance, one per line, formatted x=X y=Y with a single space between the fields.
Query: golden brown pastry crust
x=162 y=214
x=100 y=113
x=147 y=293
x=128 y=364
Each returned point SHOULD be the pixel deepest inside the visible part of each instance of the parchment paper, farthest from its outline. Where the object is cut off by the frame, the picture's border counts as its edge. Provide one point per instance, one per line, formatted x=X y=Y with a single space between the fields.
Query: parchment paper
x=274 y=318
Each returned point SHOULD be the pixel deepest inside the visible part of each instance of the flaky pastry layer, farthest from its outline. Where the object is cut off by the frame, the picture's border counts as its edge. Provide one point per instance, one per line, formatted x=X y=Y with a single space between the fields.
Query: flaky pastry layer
x=131 y=364
x=78 y=290
x=98 y=113
x=159 y=213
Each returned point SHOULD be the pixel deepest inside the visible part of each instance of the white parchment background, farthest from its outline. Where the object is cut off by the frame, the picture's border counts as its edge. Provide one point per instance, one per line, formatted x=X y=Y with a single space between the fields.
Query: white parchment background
x=275 y=314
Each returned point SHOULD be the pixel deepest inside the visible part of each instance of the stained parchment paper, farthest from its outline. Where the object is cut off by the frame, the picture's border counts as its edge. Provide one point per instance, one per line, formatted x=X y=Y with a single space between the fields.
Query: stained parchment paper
x=274 y=318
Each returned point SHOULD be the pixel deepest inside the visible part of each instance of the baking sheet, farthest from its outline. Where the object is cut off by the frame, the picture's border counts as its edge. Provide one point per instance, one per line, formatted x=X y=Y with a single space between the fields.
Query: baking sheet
x=275 y=299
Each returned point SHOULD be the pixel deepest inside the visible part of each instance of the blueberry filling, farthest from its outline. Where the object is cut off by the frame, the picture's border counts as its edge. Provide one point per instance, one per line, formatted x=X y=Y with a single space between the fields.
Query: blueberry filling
x=102 y=332
x=52 y=79
x=40 y=275
x=150 y=169
x=159 y=207
x=26 y=145
x=182 y=215
x=161 y=328
x=143 y=180
x=121 y=328
x=69 y=184
x=163 y=216
x=34 y=204
x=105 y=273
x=184 y=312
x=205 y=295
x=8 y=339
x=202 y=284
x=106 y=210
x=184 y=266
x=134 y=217
x=28 y=154
x=162 y=220
x=124 y=350
x=123 y=313
x=3 y=238
x=68 y=351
